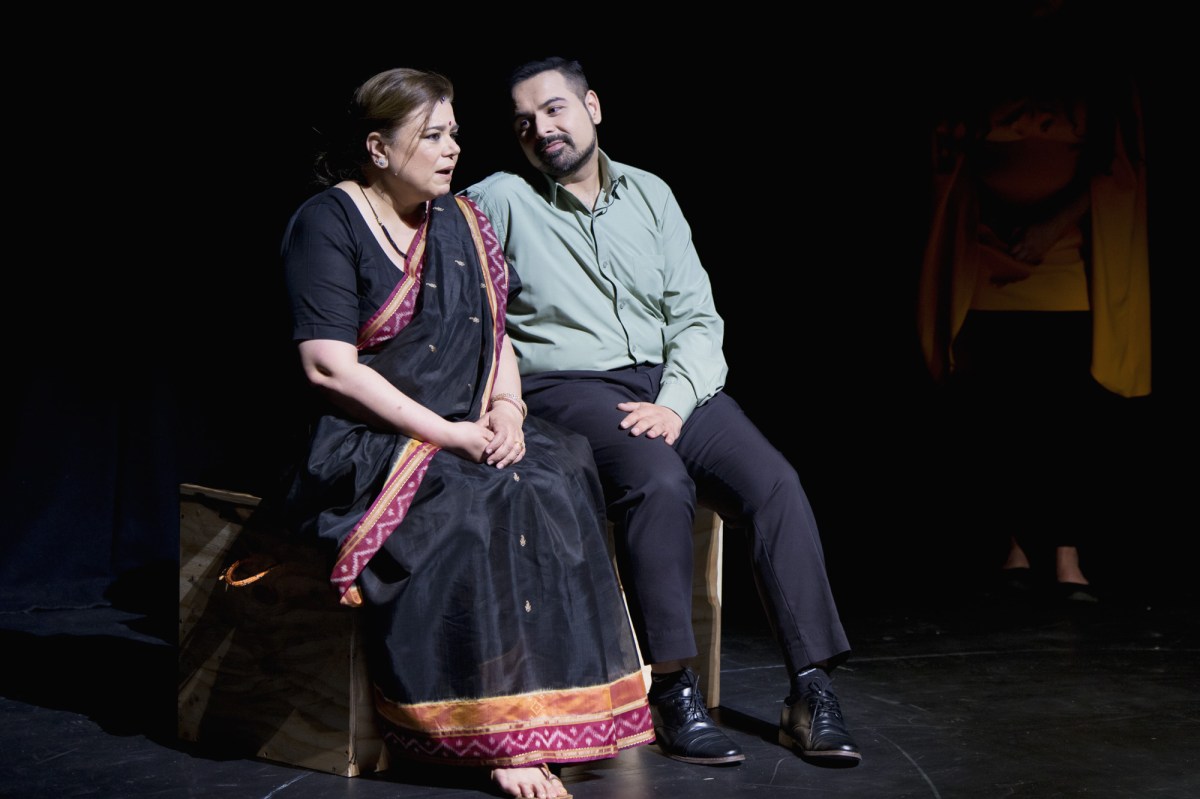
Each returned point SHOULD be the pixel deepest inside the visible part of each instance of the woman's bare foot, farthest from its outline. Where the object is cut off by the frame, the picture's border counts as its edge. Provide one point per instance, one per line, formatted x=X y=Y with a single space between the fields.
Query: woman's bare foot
x=533 y=782
x=1016 y=556
x=1066 y=566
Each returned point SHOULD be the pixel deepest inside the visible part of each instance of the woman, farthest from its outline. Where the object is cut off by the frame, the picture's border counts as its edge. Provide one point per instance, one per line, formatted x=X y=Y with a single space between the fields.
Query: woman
x=471 y=536
x=1035 y=293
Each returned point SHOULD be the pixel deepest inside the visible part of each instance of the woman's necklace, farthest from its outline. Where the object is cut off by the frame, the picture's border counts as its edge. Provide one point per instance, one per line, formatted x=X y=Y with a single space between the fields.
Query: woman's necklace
x=379 y=222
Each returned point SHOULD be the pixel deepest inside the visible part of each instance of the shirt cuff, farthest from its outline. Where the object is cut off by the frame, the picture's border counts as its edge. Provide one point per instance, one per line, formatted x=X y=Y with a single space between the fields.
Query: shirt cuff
x=678 y=396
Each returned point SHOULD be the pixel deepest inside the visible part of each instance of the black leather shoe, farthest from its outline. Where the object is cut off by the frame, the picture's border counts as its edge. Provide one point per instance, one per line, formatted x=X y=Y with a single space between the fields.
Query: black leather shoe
x=813 y=727
x=683 y=727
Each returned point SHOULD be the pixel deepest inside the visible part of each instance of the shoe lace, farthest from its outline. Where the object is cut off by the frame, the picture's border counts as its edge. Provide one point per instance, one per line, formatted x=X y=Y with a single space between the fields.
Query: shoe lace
x=824 y=703
x=688 y=700
x=692 y=705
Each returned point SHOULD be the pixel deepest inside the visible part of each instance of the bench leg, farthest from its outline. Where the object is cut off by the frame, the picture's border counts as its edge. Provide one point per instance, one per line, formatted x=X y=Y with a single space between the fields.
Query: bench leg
x=708 y=542
x=707 y=549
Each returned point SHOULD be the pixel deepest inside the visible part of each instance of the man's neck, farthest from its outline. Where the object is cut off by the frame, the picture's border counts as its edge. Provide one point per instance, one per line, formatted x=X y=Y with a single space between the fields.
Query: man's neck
x=584 y=184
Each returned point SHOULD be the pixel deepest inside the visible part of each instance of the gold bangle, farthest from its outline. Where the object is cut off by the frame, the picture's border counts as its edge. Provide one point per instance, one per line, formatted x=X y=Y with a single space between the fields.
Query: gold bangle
x=512 y=399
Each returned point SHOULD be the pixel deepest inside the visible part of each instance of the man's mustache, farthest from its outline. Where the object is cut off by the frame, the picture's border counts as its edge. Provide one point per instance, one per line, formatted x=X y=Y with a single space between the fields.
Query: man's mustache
x=546 y=142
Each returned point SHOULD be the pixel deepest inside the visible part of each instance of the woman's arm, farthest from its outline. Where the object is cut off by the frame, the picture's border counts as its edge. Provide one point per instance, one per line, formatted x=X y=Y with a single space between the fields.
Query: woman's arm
x=358 y=390
x=506 y=411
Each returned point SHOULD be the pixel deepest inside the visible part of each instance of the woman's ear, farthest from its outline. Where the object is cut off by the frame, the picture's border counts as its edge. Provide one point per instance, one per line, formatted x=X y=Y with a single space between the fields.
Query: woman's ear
x=377 y=149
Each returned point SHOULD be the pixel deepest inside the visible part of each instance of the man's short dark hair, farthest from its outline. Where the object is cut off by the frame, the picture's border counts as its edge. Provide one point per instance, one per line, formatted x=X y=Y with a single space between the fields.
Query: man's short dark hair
x=569 y=68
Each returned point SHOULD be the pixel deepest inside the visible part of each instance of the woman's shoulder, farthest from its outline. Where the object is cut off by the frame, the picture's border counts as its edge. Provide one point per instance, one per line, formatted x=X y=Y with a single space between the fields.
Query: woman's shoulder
x=330 y=205
x=328 y=197
x=327 y=214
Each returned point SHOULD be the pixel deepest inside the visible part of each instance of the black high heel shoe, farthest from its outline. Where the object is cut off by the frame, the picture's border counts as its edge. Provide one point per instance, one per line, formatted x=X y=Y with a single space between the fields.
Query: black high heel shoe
x=1076 y=592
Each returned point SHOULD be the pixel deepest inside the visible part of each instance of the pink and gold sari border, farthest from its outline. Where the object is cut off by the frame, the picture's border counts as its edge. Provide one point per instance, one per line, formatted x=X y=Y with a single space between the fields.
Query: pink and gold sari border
x=385 y=513
x=548 y=726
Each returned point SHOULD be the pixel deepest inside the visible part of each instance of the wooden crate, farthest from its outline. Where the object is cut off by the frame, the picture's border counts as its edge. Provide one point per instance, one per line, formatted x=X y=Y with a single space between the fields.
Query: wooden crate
x=274 y=668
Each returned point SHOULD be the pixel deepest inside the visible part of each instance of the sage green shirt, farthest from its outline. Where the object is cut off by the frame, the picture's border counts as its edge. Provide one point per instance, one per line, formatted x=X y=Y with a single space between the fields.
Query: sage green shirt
x=610 y=288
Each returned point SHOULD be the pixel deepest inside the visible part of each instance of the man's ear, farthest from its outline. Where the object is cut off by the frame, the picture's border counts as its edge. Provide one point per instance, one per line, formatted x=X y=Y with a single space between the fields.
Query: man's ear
x=592 y=103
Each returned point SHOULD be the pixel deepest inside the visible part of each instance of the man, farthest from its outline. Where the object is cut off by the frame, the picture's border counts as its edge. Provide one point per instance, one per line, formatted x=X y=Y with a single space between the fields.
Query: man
x=618 y=338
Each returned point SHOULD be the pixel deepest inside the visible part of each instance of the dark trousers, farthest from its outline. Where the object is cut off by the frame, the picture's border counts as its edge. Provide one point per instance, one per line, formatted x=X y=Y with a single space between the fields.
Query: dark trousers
x=724 y=462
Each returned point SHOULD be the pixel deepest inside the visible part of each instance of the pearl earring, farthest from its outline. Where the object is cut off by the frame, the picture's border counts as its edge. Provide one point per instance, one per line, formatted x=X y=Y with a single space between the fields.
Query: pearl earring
x=381 y=163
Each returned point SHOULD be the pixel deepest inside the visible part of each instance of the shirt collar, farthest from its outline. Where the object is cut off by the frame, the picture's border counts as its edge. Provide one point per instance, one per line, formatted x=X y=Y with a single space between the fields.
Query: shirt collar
x=611 y=177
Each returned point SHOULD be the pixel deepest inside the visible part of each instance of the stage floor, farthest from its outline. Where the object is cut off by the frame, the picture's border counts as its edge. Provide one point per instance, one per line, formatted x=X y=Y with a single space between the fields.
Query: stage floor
x=958 y=696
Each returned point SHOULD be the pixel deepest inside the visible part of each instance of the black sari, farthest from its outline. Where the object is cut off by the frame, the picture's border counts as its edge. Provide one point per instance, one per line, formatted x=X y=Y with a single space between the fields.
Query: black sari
x=497 y=632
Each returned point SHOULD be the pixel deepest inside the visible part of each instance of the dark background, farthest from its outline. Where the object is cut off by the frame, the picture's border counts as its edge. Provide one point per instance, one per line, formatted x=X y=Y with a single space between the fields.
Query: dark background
x=796 y=145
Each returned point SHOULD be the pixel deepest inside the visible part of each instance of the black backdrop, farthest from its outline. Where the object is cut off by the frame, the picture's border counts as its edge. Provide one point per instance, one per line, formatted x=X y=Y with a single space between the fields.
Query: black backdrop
x=798 y=151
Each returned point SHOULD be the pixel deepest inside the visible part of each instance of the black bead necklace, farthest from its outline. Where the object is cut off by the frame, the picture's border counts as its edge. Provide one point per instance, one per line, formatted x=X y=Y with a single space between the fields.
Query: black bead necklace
x=379 y=222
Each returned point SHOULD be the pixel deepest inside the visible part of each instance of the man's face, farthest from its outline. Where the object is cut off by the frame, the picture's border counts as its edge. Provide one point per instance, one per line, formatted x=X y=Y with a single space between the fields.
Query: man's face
x=554 y=127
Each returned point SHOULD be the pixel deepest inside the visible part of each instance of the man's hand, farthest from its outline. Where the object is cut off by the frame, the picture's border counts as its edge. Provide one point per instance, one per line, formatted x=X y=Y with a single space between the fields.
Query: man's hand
x=651 y=420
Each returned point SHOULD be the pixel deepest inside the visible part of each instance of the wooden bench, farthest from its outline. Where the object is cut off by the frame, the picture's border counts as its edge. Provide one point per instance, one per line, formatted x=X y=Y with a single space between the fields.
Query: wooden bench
x=274 y=668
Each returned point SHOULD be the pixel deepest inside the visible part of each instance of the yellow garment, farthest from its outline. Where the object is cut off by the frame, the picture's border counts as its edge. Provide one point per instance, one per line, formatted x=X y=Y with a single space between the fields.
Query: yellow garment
x=1057 y=283
x=1119 y=284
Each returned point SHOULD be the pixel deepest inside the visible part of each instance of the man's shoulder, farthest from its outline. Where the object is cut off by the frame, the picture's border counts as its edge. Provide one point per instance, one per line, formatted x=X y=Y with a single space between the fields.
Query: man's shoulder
x=497 y=185
x=622 y=168
x=638 y=177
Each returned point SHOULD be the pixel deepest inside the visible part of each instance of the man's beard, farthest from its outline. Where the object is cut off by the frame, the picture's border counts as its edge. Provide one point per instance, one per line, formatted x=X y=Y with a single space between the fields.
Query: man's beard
x=566 y=161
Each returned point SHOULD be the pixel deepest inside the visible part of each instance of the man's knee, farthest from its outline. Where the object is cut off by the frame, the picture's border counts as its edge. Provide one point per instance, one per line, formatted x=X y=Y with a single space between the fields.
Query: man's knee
x=669 y=487
x=661 y=492
x=782 y=481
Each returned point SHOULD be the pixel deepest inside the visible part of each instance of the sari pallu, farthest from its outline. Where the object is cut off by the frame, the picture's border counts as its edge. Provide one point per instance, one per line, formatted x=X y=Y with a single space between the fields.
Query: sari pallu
x=496 y=634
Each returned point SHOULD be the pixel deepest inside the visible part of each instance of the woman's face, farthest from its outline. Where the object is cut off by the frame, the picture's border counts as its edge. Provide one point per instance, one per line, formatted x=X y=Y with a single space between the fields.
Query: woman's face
x=427 y=151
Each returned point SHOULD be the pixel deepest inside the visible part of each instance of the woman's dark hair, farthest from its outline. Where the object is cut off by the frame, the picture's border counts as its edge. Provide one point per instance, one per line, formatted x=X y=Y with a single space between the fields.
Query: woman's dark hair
x=381 y=104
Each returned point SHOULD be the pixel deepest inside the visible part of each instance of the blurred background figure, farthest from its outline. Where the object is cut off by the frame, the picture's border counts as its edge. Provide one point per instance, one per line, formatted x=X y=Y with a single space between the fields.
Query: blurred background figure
x=1034 y=295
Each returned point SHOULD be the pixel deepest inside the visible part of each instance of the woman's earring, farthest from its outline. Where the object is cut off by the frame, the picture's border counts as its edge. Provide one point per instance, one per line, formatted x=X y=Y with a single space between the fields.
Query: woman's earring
x=381 y=163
